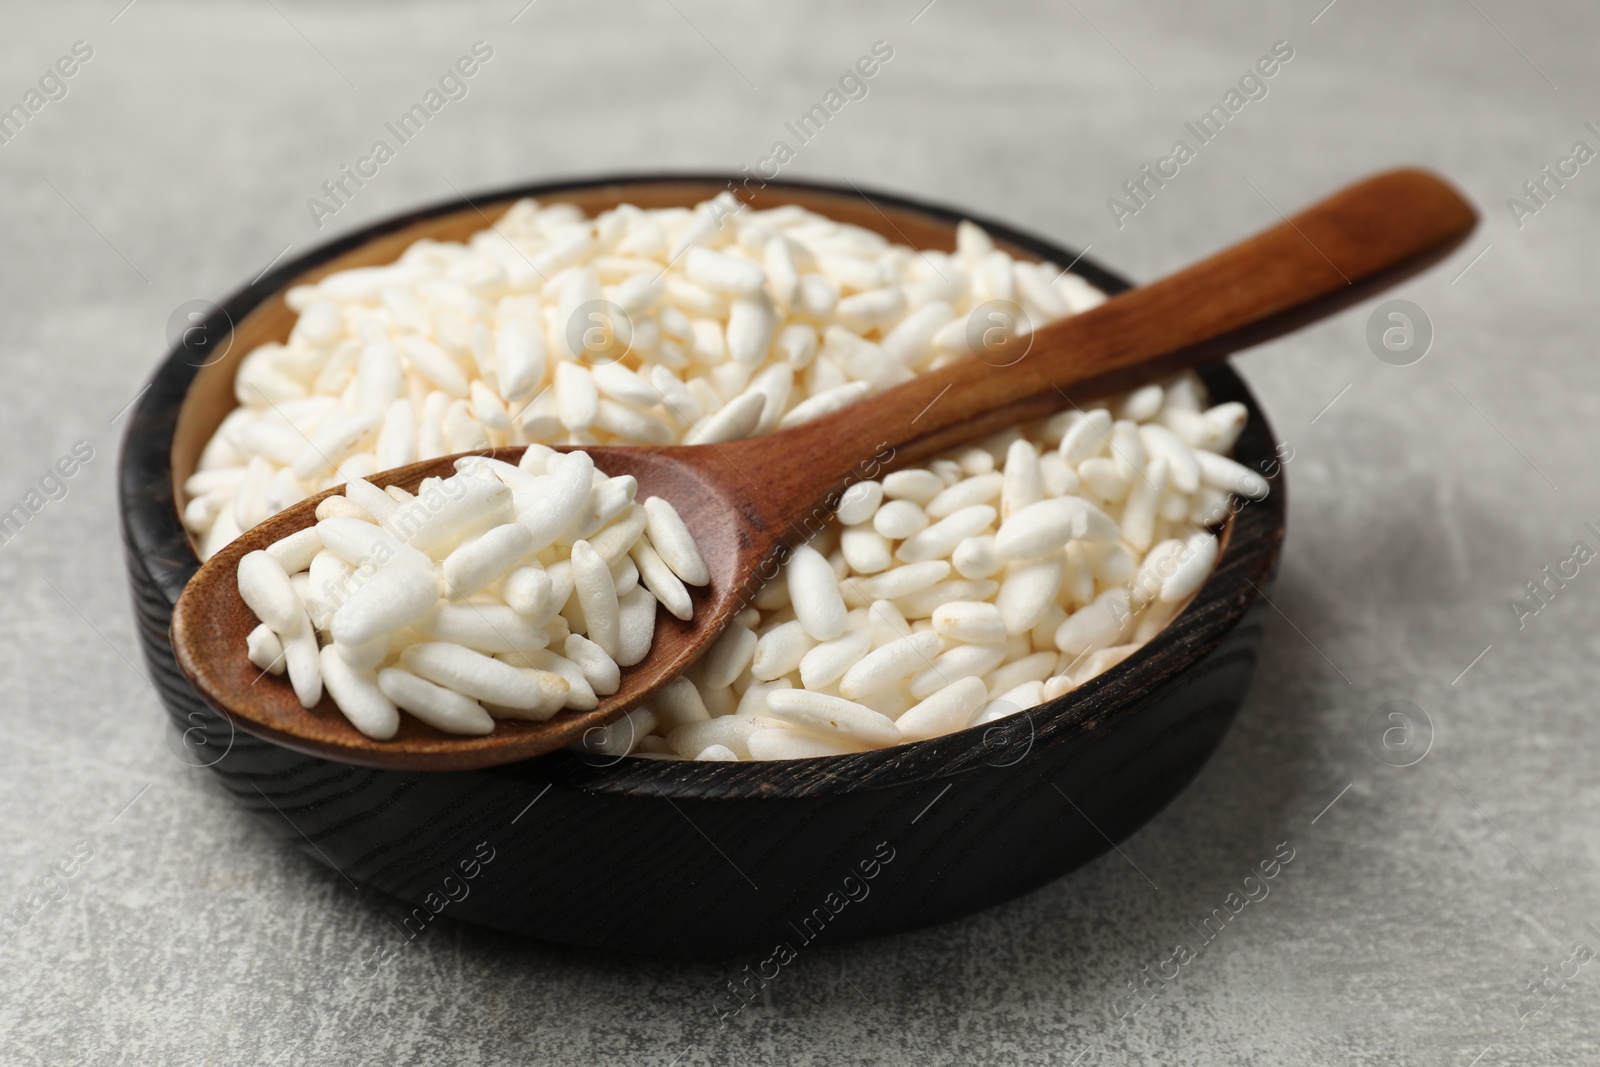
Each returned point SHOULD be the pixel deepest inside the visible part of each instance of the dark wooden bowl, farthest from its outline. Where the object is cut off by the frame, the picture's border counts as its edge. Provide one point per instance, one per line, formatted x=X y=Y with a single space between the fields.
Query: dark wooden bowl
x=709 y=858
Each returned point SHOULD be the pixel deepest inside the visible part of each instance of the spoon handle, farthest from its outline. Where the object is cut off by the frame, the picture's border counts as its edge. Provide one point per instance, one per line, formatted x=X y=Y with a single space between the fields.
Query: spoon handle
x=1336 y=252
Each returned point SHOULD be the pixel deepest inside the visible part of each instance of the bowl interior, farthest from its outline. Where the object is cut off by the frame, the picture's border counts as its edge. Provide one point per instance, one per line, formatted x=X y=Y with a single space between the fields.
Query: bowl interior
x=201 y=398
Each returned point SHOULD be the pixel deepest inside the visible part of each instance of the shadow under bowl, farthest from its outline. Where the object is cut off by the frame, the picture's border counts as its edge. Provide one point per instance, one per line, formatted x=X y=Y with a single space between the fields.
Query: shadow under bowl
x=706 y=858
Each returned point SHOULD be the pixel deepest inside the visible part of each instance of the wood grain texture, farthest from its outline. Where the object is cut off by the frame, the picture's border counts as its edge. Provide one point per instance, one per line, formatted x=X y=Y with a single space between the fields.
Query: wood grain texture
x=747 y=502
x=614 y=853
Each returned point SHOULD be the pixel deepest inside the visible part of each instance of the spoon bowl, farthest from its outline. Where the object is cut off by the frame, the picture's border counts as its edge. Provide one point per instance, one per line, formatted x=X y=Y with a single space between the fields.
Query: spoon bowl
x=211 y=621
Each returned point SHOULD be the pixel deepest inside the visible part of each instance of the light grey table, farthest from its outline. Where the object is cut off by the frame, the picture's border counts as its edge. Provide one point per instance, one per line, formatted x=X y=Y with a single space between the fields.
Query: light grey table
x=1423 y=902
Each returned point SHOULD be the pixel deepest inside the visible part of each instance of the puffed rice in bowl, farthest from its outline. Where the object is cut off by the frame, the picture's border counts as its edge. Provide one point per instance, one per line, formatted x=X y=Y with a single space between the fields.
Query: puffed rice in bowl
x=977 y=815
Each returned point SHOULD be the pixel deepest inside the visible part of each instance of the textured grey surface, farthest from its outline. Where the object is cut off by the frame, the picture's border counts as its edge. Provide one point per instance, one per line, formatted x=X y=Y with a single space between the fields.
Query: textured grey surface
x=1419 y=908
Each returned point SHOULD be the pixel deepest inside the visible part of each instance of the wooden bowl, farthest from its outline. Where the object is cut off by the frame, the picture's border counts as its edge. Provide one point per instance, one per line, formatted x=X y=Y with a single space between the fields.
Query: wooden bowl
x=708 y=858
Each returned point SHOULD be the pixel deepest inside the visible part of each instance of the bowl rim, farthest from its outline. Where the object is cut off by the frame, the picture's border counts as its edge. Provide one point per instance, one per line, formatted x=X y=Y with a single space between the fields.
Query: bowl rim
x=154 y=534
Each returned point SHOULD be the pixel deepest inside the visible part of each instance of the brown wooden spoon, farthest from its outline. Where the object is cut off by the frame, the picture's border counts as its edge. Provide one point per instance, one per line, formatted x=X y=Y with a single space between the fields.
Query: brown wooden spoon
x=747 y=502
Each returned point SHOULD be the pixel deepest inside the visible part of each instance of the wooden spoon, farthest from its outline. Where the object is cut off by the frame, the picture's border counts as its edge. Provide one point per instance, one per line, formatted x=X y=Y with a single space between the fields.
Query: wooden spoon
x=747 y=501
